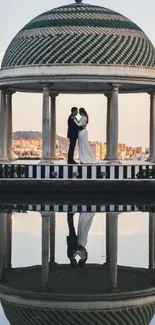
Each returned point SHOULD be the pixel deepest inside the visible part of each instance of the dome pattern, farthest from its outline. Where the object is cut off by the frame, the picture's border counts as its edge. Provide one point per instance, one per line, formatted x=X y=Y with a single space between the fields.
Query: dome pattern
x=80 y=34
x=17 y=314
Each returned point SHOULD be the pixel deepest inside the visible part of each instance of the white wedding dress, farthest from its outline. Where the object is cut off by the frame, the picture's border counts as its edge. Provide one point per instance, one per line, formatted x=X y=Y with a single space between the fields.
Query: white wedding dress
x=85 y=153
x=84 y=224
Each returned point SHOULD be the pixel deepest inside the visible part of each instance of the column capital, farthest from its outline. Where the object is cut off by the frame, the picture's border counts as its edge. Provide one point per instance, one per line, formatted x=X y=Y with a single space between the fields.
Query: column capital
x=3 y=92
x=45 y=87
x=46 y=214
x=10 y=92
x=115 y=85
x=7 y=91
x=113 y=214
x=108 y=94
x=151 y=93
x=53 y=94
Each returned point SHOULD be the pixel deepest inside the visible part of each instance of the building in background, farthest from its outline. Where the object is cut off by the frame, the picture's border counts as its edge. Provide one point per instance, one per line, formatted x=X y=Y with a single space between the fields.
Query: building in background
x=31 y=148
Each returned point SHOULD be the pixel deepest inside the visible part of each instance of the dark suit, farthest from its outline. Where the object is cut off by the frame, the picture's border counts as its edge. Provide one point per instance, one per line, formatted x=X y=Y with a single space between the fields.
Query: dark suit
x=72 y=242
x=72 y=135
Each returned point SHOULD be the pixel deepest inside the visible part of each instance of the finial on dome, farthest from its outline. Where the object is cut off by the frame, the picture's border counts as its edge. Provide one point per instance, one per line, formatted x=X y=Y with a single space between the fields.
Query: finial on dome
x=78 y=1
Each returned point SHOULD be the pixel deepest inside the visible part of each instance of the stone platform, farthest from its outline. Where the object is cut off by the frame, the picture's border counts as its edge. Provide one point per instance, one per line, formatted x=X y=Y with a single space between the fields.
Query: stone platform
x=77 y=178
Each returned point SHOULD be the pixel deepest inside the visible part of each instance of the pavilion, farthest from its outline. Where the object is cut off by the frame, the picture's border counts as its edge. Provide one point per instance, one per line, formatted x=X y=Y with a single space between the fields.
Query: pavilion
x=76 y=48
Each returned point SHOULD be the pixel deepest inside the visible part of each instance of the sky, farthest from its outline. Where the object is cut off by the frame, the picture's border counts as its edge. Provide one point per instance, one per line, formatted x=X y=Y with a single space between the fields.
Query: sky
x=133 y=109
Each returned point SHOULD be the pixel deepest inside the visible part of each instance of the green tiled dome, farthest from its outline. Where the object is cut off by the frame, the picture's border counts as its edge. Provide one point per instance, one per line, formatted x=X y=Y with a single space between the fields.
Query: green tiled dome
x=80 y=34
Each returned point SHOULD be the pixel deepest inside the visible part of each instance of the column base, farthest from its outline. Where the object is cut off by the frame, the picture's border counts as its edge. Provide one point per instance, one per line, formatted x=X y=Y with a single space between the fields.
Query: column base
x=47 y=161
x=55 y=158
x=52 y=264
x=11 y=159
x=114 y=290
x=112 y=161
x=4 y=160
x=106 y=264
x=45 y=289
x=151 y=160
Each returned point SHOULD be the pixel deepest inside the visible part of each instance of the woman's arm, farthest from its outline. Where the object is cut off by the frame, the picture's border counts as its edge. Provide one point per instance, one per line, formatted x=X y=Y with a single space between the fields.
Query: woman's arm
x=82 y=122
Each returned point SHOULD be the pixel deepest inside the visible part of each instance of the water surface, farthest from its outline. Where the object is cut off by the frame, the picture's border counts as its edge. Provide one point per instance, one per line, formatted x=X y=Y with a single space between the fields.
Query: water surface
x=133 y=241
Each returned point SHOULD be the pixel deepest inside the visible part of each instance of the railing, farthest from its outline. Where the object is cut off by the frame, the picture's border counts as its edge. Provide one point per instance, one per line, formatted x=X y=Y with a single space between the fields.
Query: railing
x=83 y=172
x=23 y=208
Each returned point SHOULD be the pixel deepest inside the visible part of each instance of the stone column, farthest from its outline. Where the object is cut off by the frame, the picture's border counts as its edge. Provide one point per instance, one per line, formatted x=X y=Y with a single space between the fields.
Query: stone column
x=45 y=249
x=3 y=237
x=3 y=128
x=45 y=125
x=109 y=97
x=152 y=127
x=151 y=240
x=8 y=240
x=52 y=238
x=113 y=125
x=9 y=124
x=52 y=152
x=113 y=233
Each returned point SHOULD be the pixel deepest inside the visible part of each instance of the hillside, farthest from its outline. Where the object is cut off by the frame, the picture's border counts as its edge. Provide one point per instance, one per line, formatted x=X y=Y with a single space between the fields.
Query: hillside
x=35 y=135
x=27 y=135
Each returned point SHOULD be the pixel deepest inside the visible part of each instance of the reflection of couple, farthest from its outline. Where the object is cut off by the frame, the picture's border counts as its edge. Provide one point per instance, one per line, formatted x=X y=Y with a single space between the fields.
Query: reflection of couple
x=76 y=243
x=77 y=130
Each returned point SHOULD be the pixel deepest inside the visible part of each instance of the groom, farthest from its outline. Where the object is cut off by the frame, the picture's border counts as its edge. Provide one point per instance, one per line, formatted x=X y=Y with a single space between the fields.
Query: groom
x=72 y=135
x=73 y=248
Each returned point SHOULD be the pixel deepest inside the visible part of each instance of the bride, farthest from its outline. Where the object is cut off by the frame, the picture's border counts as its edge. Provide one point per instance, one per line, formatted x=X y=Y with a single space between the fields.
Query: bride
x=85 y=153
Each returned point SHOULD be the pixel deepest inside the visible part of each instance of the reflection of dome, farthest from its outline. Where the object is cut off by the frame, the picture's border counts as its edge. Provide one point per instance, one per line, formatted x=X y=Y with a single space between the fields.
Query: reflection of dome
x=64 y=303
x=19 y=314
x=80 y=34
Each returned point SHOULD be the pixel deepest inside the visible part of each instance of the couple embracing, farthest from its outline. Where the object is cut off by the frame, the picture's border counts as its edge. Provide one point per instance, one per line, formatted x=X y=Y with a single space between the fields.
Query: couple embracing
x=77 y=130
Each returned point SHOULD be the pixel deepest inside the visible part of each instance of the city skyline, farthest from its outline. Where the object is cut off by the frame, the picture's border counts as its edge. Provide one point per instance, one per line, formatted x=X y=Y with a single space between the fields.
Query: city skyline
x=28 y=147
x=22 y=138
x=133 y=109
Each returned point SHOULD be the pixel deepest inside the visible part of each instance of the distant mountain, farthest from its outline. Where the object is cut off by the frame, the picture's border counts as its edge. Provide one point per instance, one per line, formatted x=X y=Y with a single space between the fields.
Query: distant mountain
x=35 y=135
x=62 y=141
x=27 y=135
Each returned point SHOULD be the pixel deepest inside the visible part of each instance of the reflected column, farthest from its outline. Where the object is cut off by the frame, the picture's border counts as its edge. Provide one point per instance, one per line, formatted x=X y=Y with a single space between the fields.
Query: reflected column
x=45 y=248
x=112 y=220
x=3 y=237
x=52 y=238
x=107 y=238
x=8 y=263
x=151 y=240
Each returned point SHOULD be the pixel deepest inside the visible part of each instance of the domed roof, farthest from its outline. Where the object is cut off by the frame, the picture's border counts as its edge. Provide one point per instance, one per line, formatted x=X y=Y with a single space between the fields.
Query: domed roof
x=80 y=34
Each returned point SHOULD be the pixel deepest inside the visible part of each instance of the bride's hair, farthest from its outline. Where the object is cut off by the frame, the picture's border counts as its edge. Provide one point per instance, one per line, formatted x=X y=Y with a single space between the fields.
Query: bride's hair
x=83 y=111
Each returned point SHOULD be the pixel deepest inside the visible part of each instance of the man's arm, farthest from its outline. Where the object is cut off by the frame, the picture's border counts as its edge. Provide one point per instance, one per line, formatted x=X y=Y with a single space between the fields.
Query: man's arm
x=77 y=124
